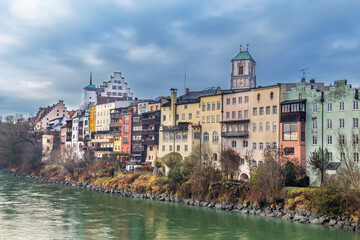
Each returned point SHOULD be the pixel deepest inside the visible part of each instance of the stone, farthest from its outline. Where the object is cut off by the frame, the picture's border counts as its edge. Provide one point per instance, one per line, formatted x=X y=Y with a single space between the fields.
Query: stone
x=316 y=221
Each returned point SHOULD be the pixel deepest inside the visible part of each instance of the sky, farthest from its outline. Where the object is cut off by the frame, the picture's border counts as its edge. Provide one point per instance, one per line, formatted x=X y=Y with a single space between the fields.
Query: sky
x=49 y=47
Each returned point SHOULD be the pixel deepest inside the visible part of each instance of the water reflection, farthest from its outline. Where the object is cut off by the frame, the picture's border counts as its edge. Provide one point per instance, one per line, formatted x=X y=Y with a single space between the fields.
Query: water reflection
x=33 y=210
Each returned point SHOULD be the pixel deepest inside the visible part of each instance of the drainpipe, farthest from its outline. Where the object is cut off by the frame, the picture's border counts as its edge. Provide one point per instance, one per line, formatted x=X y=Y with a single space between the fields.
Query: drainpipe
x=322 y=135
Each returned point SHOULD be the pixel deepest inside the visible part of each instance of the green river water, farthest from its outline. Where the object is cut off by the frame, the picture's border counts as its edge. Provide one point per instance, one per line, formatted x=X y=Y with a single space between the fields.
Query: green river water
x=36 y=210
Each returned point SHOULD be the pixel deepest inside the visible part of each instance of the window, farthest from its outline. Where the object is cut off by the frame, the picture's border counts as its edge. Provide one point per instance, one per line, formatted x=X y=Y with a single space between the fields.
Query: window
x=240 y=99
x=274 y=109
x=203 y=107
x=329 y=139
x=246 y=113
x=342 y=157
x=330 y=157
x=203 y=119
x=254 y=127
x=261 y=146
x=314 y=124
x=274 y=126
x=356 y=157
x=289 y=151
x=329 y=124
x=126 y=128
x=341 y=123
x=267 y=110
x=355 y=139
x=261 y=111
x=48 y=140
x=218 y=105
x=185 y=106
x=233 y=114
x=356 y=105
x=246 y=99
x=206 y=156
x=290 y=132
x=314 y=140
x=245 y=143
x=170 y=148
x=197 y=135
x=126 y=119
x=206 y=137
x=341 y=139
x=215 y=137
x=246 y=127
x=228 y=101
x=183 y=116
x=197 y=114
x=267 y=126
x=233 y=144
x=261 y=127
x=329 y=107
x=341 y=106
x=227 y=115
x=314 y=108
x=267 y=145
x=254 y=111
x=241 y=69
x=242 y=161
x=208 y=119
x=355 y=122
x=234 y=100
x=239 y=114
x=217 y=118
x=186 y=148
x=190 y=116
x=213 y=106
x=214 y=157
x=254 y=146
x=208 y=106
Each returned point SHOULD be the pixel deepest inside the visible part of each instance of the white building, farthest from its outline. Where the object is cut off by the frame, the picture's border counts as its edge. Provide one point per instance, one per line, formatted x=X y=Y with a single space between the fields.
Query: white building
x=45 y=115
x=116 y=87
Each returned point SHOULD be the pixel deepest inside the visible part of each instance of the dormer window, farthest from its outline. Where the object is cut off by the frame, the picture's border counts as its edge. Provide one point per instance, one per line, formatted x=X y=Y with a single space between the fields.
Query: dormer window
x=241 y=68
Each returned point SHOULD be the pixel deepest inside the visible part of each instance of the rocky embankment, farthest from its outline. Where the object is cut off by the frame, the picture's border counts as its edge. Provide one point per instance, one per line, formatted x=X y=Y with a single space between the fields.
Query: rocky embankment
x=340 y=222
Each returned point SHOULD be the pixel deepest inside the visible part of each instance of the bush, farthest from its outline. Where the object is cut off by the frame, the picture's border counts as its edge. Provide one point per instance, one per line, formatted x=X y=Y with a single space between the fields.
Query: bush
x=328 y=199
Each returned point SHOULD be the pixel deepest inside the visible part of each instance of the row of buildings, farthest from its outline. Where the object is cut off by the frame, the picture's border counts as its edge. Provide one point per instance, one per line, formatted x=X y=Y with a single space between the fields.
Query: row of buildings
x=298 y=118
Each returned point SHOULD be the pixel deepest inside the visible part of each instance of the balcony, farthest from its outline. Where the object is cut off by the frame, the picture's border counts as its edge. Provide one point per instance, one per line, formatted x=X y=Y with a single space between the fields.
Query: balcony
x=148 y=141
x=116 y=124
x=293 y=117
x=175 y=128
x=235 y=134
x=115 y=115
x=149 y=121
x=103 y=149
x=148 y=131
x=236 y=120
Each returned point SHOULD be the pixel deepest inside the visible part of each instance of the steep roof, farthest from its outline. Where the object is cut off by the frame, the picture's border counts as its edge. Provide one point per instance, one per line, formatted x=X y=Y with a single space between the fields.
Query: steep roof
x=243 y=55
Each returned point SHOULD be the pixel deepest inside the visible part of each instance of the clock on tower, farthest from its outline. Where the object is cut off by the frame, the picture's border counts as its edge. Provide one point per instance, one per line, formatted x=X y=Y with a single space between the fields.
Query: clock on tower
x=243 y=71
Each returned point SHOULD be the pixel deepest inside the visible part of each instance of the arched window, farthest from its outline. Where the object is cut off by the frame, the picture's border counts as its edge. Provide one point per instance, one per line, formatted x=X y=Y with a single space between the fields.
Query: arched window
x=214 y=158
x=258 y=97
x=197 y=135
x=215 y=137
x=206 y=136
x=271 y=95
x=241 y=68
x=300 y=96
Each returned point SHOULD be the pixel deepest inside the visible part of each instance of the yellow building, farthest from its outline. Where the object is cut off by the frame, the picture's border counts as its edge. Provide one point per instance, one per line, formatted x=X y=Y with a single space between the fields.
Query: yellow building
x=180 y=128
x=47 y=146
x=103 y=116
x=211 y=117
x=264 y=121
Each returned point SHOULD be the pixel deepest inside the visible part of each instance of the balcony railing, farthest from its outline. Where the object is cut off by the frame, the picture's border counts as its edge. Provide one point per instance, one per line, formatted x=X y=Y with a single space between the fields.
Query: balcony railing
x=115 y=115
x=148 y=131
x=235 y=134
x=103 y=149
x=148 y=141
x=116 y=124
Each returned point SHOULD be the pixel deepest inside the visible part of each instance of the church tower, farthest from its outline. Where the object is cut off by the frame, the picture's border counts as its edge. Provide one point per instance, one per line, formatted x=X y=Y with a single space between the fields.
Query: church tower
x=243 y=70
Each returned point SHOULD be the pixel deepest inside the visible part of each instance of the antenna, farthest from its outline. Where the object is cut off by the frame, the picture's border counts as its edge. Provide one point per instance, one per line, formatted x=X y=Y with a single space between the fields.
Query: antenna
x=304 y=73
x=185 y=78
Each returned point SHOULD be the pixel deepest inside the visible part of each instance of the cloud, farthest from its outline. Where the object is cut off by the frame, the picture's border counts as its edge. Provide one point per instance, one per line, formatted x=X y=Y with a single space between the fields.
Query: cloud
x=148 y=53
x=345 y=44
x=89 y=55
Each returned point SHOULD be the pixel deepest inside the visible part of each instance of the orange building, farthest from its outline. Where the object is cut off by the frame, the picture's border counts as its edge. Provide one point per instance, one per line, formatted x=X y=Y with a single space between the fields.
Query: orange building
x=292 y=130
x=92 y=119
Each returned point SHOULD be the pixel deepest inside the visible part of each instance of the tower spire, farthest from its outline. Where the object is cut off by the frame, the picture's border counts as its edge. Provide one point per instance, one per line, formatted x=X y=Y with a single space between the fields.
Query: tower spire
x=90 y=78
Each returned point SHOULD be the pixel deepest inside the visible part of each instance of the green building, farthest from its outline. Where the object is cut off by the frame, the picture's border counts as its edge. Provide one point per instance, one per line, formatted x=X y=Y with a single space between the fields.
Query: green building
x=332 y=122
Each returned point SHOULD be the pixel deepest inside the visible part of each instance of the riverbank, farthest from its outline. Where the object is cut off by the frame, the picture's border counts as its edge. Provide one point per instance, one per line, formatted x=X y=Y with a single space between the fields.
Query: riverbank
x=301 y=216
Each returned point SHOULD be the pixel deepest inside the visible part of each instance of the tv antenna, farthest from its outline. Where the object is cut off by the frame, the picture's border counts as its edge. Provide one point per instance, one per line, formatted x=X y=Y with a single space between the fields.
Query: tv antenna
x=185 y=78
x=304 y=72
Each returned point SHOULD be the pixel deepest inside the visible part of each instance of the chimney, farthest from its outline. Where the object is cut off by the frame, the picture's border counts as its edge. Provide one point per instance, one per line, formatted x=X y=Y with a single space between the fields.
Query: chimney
x=312 y=80
x=173 y=103
x=187 y=90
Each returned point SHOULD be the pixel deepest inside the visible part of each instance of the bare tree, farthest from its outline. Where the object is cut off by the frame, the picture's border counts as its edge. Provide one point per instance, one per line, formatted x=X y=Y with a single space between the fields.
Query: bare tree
x=230 y=162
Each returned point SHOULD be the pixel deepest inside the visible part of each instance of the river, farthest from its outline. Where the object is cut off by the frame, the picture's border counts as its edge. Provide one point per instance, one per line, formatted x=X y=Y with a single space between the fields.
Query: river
x=36 y=210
